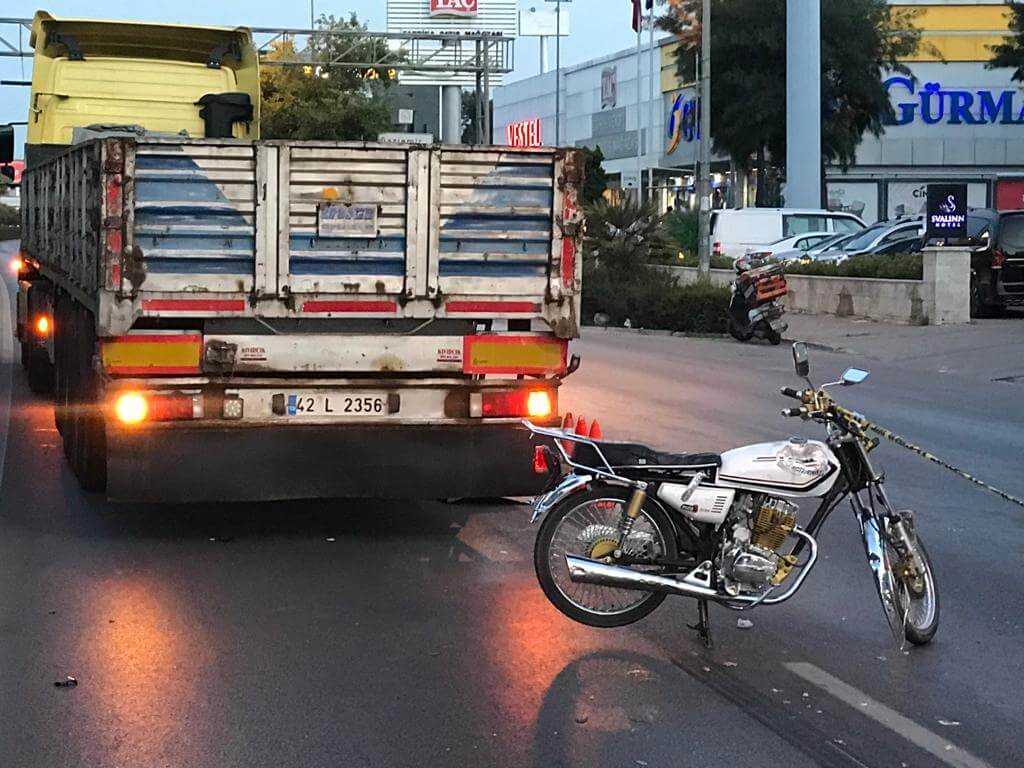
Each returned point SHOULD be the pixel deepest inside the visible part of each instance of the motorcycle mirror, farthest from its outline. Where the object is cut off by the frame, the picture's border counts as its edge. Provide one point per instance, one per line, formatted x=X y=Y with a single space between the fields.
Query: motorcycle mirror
x=854 y=376
x=800 y=361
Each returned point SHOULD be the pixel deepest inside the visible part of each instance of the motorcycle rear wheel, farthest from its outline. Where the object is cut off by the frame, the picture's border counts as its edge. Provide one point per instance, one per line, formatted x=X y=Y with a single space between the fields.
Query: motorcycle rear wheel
x=578 y=525
x=738 y=333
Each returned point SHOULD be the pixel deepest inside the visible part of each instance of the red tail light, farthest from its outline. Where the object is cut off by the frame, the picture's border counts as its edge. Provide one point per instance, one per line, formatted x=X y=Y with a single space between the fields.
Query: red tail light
x=135 y=407
x=535 y=404
x=716 y=249
x=998 y=259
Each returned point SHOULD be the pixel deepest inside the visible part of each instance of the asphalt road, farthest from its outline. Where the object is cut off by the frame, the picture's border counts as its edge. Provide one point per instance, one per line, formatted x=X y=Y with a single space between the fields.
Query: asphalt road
x=369 y=633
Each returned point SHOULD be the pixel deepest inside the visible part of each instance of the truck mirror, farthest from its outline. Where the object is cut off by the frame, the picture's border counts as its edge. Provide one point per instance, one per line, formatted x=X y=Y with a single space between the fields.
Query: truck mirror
x=6 y=144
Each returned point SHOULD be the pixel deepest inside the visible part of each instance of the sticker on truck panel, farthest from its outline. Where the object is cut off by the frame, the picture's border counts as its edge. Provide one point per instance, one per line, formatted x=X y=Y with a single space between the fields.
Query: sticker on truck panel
x=339 y=219
x=449 y=355
x=514 y=354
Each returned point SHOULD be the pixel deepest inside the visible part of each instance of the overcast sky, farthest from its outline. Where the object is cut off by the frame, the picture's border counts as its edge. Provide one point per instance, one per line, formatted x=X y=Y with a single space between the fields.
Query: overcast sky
x=597 y=27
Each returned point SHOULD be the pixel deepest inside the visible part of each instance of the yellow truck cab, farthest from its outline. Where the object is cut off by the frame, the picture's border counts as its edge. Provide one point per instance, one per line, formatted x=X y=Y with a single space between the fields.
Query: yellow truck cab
x=200 y=82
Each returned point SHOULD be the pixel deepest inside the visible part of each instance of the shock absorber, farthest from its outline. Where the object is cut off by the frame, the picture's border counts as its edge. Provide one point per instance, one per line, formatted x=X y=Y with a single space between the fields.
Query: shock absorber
x=636 y=504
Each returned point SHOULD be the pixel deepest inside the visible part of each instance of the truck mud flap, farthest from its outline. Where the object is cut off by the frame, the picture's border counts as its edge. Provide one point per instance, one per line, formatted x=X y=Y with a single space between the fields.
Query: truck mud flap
x=297 y=462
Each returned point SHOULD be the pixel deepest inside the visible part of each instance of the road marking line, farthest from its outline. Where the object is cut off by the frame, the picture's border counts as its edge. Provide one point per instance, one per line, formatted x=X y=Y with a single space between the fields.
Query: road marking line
x=921 y=737
x=7 y=364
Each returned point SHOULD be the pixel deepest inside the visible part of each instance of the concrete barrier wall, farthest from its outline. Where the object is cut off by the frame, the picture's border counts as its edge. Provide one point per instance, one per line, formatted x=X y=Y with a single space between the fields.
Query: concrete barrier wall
x=899 y=301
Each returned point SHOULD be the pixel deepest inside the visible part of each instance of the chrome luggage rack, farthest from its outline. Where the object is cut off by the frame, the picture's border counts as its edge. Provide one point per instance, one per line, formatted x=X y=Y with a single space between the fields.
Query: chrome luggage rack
x=558 y=435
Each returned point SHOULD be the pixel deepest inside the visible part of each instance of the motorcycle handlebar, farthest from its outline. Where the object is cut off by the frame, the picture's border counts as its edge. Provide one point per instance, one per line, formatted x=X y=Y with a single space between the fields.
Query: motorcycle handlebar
x=792 y=412
x=790 y=392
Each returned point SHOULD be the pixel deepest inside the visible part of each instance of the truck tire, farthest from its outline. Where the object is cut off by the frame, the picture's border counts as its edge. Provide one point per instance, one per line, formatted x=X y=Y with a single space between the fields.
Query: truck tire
x=60 y=367
x=89 y=446
x=40 y=371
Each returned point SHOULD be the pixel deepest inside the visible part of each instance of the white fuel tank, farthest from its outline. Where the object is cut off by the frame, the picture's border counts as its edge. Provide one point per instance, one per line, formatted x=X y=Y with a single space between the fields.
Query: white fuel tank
x=797 y=468
x=707 y=504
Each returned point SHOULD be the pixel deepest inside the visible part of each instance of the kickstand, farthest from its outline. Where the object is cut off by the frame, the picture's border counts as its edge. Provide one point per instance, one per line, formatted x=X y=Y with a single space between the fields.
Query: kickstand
x=703 y=626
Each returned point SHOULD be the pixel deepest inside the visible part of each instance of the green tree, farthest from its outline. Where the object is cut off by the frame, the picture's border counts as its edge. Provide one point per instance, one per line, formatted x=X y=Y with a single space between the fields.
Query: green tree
x=596 y=180
x=322 y=100
x=861 y=41
x=1010 y=53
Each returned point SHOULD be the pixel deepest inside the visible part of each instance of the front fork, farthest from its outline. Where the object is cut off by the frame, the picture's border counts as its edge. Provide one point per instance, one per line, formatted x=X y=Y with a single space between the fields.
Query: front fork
x=880 y=525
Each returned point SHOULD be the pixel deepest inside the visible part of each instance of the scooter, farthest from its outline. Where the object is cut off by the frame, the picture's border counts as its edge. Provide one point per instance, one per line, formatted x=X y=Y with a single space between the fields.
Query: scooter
x=754 y=309
x=626 y=525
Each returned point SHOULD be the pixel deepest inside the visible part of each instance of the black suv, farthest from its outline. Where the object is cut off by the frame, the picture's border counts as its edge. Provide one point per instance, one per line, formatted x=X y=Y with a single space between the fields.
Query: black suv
x=997 y=260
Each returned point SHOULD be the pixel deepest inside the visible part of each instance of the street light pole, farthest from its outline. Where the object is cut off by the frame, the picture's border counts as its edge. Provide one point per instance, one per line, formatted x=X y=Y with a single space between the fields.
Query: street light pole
x=704 y=181
x=558 y=73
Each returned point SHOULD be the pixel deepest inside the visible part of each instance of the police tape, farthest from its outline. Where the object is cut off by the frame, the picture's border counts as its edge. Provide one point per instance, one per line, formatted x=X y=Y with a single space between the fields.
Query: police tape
x=893 y=437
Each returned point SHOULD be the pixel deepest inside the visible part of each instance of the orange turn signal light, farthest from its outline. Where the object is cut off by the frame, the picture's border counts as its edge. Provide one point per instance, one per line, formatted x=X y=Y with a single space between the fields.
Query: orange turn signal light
x=42 y=325
x=16 y=265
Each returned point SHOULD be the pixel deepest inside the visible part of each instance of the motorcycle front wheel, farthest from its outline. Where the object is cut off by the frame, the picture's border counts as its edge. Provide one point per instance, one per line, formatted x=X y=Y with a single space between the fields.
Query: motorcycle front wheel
x=915 y=596
x=587 y=525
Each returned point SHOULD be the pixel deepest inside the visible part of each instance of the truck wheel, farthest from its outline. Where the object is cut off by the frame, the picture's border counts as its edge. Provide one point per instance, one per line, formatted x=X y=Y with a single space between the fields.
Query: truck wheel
x=60 y=366
x=40 y=371
x=89 y=455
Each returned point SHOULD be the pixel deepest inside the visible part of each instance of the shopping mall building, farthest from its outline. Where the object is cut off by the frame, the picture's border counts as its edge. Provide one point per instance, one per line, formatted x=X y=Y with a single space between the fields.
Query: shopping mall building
x=954 y=120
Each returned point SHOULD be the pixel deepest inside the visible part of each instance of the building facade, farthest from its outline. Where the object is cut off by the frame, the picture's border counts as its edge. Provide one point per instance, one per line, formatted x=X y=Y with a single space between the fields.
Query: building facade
x=955 y=120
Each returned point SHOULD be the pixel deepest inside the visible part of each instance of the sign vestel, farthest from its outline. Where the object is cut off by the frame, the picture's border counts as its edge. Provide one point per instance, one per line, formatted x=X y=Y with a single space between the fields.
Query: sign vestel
x=453 y=7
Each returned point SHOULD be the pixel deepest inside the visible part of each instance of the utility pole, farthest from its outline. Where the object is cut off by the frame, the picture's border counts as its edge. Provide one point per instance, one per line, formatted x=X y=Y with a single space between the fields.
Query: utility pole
x=704 y=181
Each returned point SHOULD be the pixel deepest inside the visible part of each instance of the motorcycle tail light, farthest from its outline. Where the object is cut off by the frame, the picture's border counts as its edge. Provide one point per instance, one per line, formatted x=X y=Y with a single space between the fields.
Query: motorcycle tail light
x=540 y=461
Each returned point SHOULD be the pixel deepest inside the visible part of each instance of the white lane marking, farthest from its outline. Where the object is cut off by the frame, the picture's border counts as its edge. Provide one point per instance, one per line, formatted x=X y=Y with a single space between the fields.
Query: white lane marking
x=921 y=737
x=6 y=363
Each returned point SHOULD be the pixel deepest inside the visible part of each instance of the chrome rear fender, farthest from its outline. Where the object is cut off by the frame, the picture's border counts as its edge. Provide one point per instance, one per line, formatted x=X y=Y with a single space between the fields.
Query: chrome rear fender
x=570 y=484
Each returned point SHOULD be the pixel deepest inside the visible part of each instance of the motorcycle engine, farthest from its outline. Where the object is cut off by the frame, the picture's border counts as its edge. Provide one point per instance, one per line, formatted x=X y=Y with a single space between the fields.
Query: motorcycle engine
x=751 y=558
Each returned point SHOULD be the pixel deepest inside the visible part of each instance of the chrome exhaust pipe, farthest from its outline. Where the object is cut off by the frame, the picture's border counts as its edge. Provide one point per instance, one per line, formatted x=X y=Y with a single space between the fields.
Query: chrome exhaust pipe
x=588 y=571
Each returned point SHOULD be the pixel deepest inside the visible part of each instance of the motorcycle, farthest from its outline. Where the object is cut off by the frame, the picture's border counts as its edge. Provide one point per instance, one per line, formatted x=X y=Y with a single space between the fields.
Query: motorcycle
x=627 y=525
x=754 y=308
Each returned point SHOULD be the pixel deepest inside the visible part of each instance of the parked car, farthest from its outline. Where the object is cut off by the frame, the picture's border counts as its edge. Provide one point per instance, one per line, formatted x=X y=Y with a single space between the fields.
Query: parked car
x=997 y=259
x=733 y=232
x=793 y=243
x=816 y=251
x=879 y=235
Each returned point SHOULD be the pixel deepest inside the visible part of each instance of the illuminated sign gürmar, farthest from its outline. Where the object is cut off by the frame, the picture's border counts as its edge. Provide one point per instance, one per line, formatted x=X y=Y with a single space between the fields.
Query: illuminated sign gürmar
x=934 y=104
x=453 y=7
x=525 y=133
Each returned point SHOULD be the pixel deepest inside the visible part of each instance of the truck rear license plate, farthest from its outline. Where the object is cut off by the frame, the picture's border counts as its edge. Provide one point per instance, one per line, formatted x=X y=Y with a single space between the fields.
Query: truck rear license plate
x=348 y=405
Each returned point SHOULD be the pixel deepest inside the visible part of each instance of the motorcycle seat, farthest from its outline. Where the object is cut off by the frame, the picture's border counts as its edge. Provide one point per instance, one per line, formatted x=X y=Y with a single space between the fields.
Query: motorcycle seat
x=635 y=459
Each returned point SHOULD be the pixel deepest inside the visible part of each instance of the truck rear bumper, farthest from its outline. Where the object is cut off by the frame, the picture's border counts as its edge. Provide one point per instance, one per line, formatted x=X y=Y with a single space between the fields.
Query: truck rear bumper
x=341 y=461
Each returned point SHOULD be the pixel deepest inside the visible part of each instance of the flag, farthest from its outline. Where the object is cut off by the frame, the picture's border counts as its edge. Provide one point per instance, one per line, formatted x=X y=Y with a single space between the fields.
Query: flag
x=638 y=14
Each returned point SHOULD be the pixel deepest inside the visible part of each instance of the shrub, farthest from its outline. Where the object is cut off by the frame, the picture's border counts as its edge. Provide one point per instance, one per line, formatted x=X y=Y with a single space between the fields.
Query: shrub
x=683 y=228
x=690 y=260
x=653 y=299
x=9 y=217
x=891 y=267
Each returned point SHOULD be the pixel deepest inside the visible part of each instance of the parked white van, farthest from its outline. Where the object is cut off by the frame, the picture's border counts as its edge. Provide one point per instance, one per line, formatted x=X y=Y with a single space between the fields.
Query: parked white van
x=733 y=232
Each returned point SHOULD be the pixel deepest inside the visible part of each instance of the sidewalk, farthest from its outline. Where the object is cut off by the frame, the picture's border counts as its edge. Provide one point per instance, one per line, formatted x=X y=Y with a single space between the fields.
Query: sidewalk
x=990 y=349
